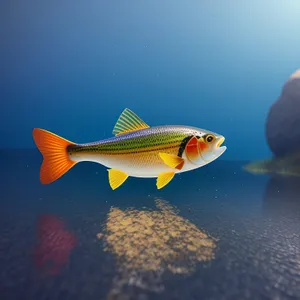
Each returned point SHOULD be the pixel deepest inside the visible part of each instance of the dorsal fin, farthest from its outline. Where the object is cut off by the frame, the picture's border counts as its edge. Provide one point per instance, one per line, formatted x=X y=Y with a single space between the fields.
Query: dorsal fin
x=129 y=122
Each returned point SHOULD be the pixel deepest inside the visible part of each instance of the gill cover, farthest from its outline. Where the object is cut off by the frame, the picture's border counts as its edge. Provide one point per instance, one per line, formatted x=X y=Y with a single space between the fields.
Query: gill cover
x=193 y=150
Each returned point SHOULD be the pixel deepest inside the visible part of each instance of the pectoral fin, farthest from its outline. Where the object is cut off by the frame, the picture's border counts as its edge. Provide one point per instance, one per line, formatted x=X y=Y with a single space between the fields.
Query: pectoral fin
x=164 y=178
x=116 y=178
x=172 y=161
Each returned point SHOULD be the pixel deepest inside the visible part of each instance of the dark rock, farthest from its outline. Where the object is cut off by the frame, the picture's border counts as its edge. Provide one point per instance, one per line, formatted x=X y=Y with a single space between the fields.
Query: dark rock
x=283 y=120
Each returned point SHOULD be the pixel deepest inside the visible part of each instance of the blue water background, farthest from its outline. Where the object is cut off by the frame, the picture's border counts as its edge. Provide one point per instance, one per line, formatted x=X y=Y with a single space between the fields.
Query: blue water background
x=71 y=67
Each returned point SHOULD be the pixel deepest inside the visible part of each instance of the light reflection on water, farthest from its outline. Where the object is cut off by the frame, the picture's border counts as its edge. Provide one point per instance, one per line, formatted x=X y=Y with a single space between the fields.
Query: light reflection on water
x=147 y=243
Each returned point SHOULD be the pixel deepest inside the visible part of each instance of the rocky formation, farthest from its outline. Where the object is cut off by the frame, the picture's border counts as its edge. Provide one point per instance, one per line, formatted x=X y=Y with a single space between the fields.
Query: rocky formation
x=283 y=120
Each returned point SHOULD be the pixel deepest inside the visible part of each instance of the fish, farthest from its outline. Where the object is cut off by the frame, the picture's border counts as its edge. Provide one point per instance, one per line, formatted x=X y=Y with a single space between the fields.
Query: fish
x=135 y=150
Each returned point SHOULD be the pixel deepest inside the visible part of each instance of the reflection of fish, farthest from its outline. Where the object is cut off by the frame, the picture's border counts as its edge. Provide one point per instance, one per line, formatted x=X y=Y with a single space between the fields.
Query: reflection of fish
x=54 y=244
x=288 y=165
x=136 y=150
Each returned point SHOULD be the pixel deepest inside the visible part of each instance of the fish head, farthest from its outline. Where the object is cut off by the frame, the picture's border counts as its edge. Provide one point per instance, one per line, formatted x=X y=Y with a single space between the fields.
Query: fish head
x=205 y=148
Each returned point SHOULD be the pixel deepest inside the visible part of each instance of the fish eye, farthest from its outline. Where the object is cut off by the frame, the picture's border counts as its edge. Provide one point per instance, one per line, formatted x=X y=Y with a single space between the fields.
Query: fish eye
x=209 y=138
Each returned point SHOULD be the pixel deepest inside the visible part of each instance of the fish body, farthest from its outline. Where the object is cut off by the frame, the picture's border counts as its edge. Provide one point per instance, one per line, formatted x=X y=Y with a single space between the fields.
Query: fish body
x=137 y=153
x=136 y=150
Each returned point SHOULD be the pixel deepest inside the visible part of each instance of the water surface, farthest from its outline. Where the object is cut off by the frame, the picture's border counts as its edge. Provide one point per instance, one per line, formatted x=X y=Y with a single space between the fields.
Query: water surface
x=253 y=221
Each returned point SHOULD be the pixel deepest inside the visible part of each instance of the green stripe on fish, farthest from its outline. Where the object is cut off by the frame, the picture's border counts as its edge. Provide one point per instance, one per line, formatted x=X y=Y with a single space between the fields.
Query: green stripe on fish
x=143 y=142
x=136 y=150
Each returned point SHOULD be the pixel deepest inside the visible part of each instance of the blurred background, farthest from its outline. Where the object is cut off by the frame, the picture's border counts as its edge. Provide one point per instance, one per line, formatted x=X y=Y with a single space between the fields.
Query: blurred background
x=71 y=67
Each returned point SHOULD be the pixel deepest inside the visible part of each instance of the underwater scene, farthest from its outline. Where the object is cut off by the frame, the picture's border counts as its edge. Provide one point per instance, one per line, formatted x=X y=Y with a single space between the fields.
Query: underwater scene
x=150 y=150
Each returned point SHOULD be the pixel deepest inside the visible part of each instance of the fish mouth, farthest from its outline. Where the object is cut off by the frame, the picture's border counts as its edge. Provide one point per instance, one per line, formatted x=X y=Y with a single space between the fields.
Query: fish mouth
x=220 y=142
x=220 y=150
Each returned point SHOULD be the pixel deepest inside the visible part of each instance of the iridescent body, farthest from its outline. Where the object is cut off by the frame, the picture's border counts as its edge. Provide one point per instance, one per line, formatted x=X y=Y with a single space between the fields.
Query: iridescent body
x=137 y=151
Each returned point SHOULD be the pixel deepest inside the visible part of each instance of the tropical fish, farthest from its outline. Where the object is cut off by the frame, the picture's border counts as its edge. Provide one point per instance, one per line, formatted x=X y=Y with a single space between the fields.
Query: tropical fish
x=136 y=150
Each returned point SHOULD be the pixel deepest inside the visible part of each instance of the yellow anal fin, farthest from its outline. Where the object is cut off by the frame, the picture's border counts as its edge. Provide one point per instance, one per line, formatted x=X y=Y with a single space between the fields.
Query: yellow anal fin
x=129 y=122
x=164 y=178
x=172 y=161
x=116 y=178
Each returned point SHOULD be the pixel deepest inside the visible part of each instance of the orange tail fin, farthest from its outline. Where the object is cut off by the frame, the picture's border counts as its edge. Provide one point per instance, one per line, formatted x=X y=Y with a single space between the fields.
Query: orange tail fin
x=54 y=150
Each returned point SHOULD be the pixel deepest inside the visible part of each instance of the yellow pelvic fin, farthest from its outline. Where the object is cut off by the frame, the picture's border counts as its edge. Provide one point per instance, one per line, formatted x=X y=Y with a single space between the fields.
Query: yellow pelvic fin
x=116 y=178
x=164 y=178
x=172 y=161
x=128 y=122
